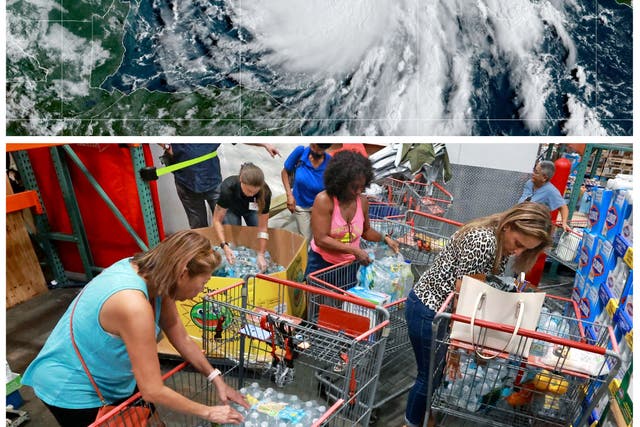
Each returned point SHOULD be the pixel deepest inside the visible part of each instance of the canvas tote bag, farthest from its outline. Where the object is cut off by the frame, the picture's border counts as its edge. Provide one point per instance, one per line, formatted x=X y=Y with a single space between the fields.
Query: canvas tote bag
x=478 y=300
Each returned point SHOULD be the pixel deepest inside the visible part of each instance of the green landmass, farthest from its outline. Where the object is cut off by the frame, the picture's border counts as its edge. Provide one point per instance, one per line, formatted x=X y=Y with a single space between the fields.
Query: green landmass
x=34 y=85
x=627 y=2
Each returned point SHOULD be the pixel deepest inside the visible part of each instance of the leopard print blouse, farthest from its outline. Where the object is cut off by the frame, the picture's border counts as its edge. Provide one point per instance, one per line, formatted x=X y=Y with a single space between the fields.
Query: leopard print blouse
x=473 y=253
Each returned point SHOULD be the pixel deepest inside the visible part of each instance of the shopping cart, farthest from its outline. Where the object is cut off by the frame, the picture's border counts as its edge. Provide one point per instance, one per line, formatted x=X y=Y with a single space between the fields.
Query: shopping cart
x=419 y=245
x=565 y=247
x=185 y=380
x=429 y=197
x=421 y=235
x=192 y=384
x=546 y=388
x=332 y=358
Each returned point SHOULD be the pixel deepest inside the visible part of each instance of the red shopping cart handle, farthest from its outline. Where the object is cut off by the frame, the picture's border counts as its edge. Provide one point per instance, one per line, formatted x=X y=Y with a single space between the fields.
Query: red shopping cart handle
x=434 y=217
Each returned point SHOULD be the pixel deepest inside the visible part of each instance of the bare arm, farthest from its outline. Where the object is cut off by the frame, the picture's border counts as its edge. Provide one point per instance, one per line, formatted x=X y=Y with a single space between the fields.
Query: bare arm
x=271 y=149
x=263 y=220
x=189 y=350
x=373 y=235
x=291 y=201
x=218 y=216
x=564 y=211
x=129 y=315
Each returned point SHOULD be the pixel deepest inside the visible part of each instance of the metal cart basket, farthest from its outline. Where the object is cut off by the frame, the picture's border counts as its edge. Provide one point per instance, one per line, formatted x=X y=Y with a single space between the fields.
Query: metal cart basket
x=400 y=196
x=421 y=235
x=396 y=376
x=332 y=358
x=189 y=382
x=547 y=387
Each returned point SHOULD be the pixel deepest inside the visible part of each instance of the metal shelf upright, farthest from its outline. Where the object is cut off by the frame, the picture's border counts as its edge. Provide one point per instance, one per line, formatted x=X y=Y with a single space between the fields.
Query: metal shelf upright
x=60 y=154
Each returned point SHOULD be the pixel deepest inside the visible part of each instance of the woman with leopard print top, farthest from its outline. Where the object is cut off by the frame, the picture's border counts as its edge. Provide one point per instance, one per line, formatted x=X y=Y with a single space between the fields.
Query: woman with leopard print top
x=482 y=246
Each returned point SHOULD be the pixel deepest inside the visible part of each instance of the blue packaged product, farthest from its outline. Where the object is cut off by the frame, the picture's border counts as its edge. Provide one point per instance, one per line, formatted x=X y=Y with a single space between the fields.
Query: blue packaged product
x=626 y=298
x=590 y=307
x=600 y=201
x=617 y=213
x=578 y=288
x=603 y=262
x=587 y=252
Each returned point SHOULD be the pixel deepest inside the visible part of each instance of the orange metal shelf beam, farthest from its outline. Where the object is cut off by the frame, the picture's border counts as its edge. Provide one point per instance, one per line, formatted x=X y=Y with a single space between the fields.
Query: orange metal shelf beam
x=24 y=200
x=19 y=147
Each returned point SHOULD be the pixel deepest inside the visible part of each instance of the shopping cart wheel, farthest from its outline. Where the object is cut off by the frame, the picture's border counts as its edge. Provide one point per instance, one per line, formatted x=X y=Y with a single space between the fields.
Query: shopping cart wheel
x=374 y=417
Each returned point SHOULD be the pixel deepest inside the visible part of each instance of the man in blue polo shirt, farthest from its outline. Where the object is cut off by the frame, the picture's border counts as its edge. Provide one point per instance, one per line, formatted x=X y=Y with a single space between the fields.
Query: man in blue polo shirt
x=199 y=184
x=538 y=189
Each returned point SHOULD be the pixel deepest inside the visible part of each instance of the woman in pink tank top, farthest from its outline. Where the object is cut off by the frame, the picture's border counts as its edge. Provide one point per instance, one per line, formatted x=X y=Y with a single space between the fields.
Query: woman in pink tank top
x=340 y=214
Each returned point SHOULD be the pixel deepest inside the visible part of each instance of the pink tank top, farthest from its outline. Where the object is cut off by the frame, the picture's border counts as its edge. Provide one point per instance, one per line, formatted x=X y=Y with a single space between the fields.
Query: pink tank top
x=343 y=232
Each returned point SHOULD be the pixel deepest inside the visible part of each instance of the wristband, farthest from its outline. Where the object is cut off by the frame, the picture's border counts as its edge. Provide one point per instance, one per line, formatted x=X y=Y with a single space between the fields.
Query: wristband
x=263 y=235
x=385 y=237
x=215 y=373
x=223 y=244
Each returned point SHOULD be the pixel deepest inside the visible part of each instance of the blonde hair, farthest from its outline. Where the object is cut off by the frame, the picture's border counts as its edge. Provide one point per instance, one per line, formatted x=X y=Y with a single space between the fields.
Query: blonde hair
x=529 y=218
x=162 y=266
x=252 y=175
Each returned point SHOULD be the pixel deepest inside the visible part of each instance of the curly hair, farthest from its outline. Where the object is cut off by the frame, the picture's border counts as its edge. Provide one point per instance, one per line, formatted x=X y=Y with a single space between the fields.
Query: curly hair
x=343 y=168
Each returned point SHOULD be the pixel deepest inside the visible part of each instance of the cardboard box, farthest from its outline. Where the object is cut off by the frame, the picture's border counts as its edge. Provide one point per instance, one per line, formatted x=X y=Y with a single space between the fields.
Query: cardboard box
x=587 y=252
x=578 y=288
x=603 y=262
x=590 y=307
x=617 y=214
x=600 y=202
x=286 y=248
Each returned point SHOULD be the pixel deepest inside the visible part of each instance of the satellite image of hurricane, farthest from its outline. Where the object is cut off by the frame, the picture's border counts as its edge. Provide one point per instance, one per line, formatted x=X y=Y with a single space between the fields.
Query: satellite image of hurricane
x=319 y=67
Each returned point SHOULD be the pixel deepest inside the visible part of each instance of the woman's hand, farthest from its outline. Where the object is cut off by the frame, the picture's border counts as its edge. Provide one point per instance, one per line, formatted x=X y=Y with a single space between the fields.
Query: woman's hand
x=262 y=263
x=228 y=253
x=362 y=257
x=291 y=203
x=224 y=415
x=393 y=244
x=227 y=394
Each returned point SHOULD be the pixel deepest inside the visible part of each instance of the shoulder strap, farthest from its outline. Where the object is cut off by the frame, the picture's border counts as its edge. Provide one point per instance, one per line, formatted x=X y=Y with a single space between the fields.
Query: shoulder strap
x=75 y=347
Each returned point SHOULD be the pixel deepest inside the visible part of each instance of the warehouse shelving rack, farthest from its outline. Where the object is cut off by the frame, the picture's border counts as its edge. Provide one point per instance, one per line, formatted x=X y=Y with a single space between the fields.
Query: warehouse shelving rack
x=61 y=154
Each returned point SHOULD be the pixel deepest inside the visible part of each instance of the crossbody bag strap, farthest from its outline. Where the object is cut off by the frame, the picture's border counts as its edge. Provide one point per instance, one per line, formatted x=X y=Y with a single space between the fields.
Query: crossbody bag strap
x=75 y=347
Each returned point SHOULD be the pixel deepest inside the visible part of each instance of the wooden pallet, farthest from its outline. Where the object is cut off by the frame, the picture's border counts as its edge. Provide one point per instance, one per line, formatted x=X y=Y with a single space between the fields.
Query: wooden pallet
x=24 y=275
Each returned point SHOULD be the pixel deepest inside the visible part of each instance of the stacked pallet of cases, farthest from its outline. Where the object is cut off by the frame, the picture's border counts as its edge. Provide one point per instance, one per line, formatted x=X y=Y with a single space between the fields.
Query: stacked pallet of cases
x=419 y=244
x=330 y=360
x=569 y=360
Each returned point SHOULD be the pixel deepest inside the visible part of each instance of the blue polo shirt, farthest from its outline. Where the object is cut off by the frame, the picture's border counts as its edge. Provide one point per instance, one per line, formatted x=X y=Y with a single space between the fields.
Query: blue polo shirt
x=201 y=177
x=309 y=181
x=547 y=195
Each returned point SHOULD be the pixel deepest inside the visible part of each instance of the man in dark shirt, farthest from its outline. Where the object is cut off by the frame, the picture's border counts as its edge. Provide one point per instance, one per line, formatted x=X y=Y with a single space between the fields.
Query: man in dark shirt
x=199 y=184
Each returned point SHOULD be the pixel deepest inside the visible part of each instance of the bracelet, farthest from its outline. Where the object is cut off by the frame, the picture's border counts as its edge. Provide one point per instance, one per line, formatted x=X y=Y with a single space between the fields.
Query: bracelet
x=385 y=237
x=215 y=373
x=223 y=244
x=263 y=235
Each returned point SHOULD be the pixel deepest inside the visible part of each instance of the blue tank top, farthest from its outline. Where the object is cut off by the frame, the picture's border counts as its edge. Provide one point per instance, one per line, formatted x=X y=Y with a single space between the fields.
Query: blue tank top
x=56 y=374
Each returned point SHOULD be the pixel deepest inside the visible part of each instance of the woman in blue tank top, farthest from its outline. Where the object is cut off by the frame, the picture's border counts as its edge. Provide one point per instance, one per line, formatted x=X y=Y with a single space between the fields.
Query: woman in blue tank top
x=116 y=321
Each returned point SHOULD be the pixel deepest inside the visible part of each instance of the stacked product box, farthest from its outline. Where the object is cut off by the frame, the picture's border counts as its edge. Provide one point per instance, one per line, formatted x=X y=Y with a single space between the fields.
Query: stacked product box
x=615 y=293
x=617 y=215
x=602 y=263
x=600 y=203
x=374 y=297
